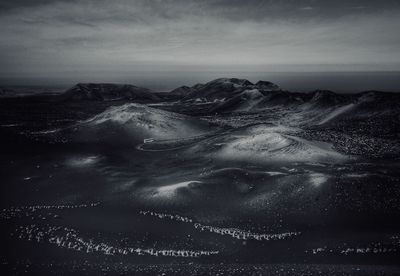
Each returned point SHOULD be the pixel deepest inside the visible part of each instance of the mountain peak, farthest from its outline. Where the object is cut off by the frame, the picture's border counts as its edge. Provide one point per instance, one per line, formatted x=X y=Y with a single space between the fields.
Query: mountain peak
x=267 y=85
x=181 y=91
x=327 y=97
x=236 y=81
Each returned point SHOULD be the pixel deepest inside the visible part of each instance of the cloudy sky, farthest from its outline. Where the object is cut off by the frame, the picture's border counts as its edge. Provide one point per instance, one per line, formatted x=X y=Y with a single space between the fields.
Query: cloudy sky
x=53 y=38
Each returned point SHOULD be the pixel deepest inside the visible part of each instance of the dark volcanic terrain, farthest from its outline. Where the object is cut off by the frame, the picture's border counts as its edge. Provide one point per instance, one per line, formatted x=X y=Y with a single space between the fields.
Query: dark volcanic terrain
x=227 y=177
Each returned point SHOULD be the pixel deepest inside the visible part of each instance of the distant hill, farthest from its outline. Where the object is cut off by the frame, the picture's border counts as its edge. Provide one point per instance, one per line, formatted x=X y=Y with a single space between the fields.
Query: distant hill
x=227 y=95
x=319 y=107
x=226 y=88
x=6 y=92
x=131 y=123
x=181 y=91
x=107 y=92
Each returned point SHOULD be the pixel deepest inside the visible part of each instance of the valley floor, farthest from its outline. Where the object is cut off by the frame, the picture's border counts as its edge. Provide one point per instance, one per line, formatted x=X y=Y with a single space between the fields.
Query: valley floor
x=245 y=193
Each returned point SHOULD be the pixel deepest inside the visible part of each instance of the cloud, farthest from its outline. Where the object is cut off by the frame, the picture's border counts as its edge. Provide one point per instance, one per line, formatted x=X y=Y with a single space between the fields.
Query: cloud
x=308 y=8
x=48 y=36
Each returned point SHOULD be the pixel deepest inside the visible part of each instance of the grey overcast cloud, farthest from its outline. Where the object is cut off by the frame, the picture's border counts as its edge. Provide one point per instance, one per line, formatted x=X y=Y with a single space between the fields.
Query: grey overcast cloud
x=53 y=38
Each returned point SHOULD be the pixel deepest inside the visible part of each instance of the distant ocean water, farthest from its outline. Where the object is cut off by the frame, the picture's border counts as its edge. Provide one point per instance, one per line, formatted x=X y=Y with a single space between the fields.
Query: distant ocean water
x=343 y=82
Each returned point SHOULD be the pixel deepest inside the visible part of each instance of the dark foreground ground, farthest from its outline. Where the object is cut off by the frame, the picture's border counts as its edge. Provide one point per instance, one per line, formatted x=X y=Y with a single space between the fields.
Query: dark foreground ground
x=249 y=194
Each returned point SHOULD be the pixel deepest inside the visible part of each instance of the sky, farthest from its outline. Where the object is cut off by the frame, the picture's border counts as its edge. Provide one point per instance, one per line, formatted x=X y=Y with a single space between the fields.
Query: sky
x=105 y=39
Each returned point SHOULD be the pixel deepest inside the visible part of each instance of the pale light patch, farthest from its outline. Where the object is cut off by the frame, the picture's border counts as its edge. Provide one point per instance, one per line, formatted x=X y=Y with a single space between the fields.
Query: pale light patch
x=317 y=179
x=170 y=190
x=47 y=131
x=83 y=161
x=358 y=175
x=336 y=113
x=275 y=173
x=126 y=186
